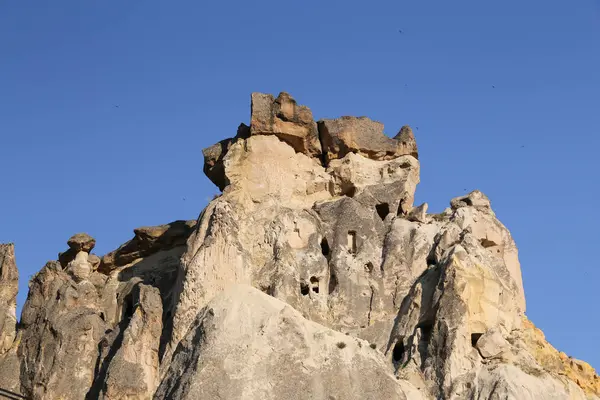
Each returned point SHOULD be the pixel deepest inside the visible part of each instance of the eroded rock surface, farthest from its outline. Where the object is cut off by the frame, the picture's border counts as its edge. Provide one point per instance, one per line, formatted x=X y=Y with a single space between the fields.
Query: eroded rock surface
x=9 y=285
x=10 y=363
x=271 y=352
x=364 y=294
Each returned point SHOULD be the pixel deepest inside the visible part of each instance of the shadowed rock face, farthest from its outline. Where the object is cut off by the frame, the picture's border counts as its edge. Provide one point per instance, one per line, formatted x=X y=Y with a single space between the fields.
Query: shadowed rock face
x=147 y=240
x=312 y=276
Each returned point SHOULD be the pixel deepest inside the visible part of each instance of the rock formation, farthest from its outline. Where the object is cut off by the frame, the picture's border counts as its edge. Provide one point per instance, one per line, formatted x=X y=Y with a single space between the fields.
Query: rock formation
x=312 y=276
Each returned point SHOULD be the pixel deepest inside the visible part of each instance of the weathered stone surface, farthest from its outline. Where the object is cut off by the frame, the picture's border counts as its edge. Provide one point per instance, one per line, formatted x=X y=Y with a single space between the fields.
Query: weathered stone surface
x=264 y=170
x=10 y=364
x=9 y=285
x=247 y=345
x=61 y=326
x=80 y=268
x=284 y=118
x=215 y=154
x=491 y=343
x=94 y=261
x=418 y=214
x=133 y=371
x=364 y=136
x=148 y=240
x=391 y=183
x=81 y=242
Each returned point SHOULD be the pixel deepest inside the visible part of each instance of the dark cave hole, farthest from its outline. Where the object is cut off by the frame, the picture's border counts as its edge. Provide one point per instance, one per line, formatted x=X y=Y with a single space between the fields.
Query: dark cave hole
x=383 y=210
x=349 y=191
x=325 y=247
x=398 y=352
x=401 y=207
x=475 y=338
x=268 y=289
x=304 y=289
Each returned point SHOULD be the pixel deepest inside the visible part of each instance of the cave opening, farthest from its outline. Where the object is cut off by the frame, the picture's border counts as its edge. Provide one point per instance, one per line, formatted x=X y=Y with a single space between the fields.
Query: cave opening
x=383 y=210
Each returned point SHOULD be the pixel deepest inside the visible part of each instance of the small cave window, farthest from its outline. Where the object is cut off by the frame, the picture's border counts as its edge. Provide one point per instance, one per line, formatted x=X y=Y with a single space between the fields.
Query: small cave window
x=352 y=242
x=325 y=247
x=304 y=289
x=475 y=338
x=431 y=259
x=487 y=243
x=333 y=283
x=398 y=352
x=401 y=207
x=314 y=284
x=267 y=289
x=383 y=210
x=369 y=267
x=349 y=191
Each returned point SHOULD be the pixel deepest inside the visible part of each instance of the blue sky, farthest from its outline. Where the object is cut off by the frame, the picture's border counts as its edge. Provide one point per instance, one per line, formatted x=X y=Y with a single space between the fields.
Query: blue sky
x=480 y=79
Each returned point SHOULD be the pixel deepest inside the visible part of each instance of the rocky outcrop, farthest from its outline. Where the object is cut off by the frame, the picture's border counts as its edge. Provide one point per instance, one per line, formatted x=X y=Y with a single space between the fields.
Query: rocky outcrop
x=9 y=285
x=133 y=370
x=10 y=363
x=364 y=136
x=80 y=242
x=312 y=276
x=147 y=240
x=284 y=118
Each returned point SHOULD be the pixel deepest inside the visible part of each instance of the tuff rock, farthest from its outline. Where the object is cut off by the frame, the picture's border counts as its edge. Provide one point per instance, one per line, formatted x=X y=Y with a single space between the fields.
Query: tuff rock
x=312 y=276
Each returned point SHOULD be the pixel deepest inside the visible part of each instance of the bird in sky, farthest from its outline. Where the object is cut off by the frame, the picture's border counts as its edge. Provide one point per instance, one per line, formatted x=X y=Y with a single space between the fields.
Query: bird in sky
x=400 y=31
x=116 y=106
x=493 y=87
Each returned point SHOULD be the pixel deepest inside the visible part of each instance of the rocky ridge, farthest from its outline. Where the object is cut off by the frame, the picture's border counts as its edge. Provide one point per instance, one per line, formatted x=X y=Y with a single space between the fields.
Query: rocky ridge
x=312 y=276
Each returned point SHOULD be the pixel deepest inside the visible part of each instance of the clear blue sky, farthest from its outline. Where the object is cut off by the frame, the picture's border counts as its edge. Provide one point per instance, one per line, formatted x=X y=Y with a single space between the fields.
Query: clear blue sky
x=182 y=73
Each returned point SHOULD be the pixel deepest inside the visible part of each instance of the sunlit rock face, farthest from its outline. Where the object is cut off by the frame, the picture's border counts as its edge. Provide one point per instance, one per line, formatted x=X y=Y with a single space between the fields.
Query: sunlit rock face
x=312 y=276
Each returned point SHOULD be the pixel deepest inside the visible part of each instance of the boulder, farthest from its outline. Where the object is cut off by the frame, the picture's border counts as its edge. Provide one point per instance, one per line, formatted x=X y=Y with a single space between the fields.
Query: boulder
x=491 y=343
x=81 y=242
x=418 y=214
x=474 y=199
x=284 y=118
x=77 y=243
x=363 y=136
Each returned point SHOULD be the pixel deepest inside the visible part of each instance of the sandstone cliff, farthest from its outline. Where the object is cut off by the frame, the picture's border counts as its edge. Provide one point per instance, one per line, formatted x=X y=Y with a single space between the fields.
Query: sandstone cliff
x=312 y=276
